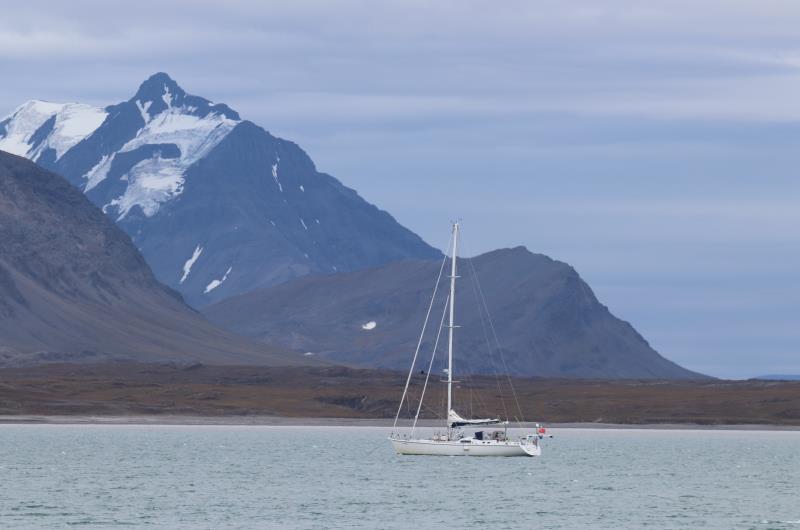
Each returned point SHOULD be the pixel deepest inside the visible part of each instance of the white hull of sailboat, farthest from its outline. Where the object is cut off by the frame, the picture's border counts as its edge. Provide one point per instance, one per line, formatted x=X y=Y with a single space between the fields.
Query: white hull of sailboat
x=457 y=448
x=453 y=443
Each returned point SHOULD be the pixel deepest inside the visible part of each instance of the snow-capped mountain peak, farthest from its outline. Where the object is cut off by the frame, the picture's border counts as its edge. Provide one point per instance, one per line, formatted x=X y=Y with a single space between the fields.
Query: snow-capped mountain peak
x=173 y=140
x=160 y=93
x=173 y=131
x=145 y=144
x=183 y=175
x=36 y=127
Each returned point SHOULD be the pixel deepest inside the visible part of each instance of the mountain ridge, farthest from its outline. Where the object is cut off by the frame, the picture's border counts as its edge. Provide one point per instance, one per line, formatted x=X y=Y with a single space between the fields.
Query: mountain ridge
x=220 y=208
x=74 y=288
x=548 y=321
x=163 y=160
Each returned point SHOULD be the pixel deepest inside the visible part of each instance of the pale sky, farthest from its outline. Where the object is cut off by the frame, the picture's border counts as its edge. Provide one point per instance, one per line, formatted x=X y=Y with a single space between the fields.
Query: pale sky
x=654 y=146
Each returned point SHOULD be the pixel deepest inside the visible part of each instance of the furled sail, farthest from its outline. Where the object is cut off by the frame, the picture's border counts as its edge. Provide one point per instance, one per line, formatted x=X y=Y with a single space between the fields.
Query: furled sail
x=454 y=420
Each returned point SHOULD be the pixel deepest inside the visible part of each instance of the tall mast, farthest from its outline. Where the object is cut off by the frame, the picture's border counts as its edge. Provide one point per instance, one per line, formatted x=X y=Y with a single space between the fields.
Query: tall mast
x=451 y=326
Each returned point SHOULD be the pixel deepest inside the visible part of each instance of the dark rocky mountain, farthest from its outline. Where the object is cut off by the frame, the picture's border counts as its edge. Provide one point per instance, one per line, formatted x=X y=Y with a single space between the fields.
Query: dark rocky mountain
x=548 y=320
x=73 y=287
x=218 y=206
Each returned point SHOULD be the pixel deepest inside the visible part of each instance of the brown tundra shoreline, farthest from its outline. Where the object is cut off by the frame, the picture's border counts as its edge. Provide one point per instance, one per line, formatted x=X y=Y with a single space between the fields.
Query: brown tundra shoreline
x=127 y=393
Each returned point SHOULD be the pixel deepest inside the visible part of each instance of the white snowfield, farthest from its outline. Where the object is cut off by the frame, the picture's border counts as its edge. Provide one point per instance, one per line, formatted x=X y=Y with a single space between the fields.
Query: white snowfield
x=187 y=267
x=369 y=326
x=216 y=283
x=151 y=182
x=156 y=180
x=275 y=173
x=74 y=122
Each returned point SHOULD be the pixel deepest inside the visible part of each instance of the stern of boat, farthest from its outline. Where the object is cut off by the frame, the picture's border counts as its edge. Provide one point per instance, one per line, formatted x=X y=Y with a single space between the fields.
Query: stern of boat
x=531 y=449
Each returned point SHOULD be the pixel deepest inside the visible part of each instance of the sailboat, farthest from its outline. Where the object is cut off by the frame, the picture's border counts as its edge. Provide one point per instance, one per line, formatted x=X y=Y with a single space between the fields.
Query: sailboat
x=454 y=440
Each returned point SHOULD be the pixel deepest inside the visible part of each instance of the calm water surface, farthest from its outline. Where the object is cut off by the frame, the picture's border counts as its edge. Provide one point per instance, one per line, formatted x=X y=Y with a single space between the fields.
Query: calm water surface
x=55 y=476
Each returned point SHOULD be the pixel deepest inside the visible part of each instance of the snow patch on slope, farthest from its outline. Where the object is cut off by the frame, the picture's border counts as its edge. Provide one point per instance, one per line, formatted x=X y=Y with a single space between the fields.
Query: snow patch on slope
x=187 y=267
x=216 y=283
x=167 y=97
x=154 y=181
x=369 y=326
x=98 y=174
x=23 y=123
x=143 y=108
x=275 y=173
x=73 y=123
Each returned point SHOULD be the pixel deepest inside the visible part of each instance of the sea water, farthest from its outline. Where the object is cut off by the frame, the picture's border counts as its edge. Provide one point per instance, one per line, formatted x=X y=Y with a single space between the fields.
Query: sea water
x=57 y=476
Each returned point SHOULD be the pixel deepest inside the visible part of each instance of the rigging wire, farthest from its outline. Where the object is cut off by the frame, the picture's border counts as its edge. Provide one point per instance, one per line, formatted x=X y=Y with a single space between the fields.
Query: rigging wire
x=430 y=365
x=473 y=278
x=497 y=341
x=483 y=307
x=468 y=380
x=469 y=383
x=421 y=336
